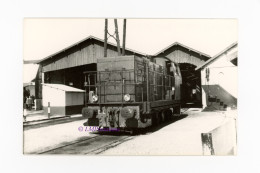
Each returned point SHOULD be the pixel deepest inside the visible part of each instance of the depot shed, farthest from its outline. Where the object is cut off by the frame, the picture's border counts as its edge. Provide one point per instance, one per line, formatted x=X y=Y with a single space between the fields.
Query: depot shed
x=62 y=99
x=187 y=59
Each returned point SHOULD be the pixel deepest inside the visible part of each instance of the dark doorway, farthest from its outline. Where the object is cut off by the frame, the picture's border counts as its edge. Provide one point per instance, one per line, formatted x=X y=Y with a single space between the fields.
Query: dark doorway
x=191 y=86
x=73 y=77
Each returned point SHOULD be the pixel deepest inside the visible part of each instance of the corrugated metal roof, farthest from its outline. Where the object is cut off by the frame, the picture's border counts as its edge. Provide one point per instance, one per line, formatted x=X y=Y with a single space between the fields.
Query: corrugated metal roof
x=182 y=45
x=89 y=37
x=217 y=56
x=63 y=87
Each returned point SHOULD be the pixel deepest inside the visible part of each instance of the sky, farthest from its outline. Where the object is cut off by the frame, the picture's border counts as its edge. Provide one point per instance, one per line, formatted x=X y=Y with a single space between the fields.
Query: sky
x=43 y=37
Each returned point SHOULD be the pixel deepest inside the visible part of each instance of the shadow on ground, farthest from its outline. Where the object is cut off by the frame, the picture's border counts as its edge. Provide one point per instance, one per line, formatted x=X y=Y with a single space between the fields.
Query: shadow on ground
x=162 y=125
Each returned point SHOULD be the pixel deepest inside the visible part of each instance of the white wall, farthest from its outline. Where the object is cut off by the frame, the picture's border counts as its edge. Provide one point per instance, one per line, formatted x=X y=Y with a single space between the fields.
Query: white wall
x=55 y=96
x=223 y=73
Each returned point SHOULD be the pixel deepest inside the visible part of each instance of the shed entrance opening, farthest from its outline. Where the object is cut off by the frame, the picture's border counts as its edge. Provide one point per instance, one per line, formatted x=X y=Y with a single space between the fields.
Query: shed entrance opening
x=191 y=95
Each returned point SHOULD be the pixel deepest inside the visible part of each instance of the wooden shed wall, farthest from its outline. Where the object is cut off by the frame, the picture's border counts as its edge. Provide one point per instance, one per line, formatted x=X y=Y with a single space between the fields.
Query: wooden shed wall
x=82 y=54
x=181 y=55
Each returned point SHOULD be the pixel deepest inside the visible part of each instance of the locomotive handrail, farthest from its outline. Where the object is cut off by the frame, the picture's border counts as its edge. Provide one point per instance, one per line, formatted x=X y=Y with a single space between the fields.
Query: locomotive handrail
x=109 y=71
x=123 y=70
x=126 y=71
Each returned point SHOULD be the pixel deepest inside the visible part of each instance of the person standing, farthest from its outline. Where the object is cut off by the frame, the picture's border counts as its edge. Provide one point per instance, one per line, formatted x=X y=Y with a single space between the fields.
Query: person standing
x=33 y=98
x=27 y=103
x=30 y=102
x=24 y=95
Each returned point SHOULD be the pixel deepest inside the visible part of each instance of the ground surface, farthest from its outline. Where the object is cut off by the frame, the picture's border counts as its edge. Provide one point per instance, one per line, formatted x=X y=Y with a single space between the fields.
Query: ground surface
x=180 y=137
x=45 y=138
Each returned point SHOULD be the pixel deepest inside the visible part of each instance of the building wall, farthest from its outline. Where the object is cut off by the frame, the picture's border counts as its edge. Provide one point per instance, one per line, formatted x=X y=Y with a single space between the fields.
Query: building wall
x=82 y=54
x=75 y=57
x=222 y=73
x=179 y=54
x=61 y=102
x=73 y=98
x=55 y=96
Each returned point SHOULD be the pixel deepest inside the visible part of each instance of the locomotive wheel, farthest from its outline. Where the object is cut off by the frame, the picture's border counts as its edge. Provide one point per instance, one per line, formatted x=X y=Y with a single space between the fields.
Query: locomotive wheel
x=163 y=116
x=170 y=114
x=156 y=119
x=177 y=110
x=159 y=117
x=153 y=119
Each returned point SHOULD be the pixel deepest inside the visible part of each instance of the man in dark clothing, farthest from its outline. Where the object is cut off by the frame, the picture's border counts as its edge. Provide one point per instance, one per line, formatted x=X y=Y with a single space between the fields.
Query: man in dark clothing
x=30 y=103
x=24 y=95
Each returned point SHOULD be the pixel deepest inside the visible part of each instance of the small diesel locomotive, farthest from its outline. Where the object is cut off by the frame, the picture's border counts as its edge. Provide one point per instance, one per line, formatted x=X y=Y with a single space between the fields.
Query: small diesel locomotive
x=130 y=92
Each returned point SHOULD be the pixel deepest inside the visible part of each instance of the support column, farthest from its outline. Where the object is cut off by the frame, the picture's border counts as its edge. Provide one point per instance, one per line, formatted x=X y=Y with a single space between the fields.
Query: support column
x=124 y=37
x=117 y=38
x=105 y=38
x=38 y=88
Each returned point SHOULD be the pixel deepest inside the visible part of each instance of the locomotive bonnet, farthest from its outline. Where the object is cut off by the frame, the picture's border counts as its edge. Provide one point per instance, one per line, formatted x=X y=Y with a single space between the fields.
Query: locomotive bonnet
x=130 y=92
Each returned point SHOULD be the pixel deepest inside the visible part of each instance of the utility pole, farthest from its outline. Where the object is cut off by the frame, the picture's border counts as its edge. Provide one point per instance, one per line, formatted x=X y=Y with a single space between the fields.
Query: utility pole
x=117 y=38
x=105 y=42
x=124 y=35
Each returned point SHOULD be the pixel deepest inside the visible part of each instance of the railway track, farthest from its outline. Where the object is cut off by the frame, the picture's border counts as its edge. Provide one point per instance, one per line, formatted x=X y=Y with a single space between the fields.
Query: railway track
x=99 y=142
x=108 y=146
x=90 y=146
x=43 y=123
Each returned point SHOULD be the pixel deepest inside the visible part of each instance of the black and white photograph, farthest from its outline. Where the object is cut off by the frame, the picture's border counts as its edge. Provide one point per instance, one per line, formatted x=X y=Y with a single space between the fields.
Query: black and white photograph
x=130 y=86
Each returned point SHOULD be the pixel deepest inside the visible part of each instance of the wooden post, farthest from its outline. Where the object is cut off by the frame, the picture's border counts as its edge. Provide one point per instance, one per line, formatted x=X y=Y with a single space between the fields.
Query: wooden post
x=117 y=37
x=38 y=81
x=105 y=42
x=38 y=87
x=147 y=86
x=86 y=92
x=49 y=110
x=124 y=36
x=64 y=77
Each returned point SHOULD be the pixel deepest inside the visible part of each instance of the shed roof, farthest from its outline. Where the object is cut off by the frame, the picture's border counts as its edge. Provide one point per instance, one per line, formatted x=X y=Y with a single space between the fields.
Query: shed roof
x=30 y=61
x=182 y=45
x=81 y=41
x=63 y=87
x=217 y=56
